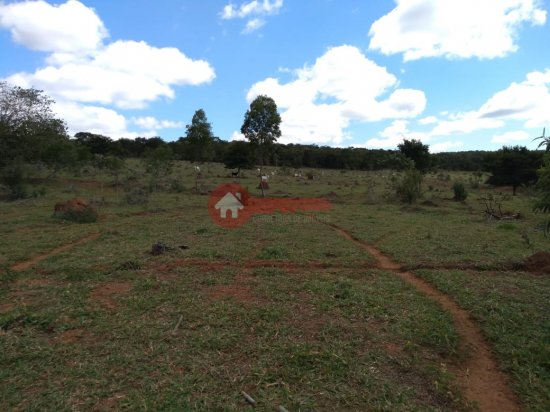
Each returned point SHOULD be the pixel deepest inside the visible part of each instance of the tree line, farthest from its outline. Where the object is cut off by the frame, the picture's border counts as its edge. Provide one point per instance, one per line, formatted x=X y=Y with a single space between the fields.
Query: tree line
x=31 y=134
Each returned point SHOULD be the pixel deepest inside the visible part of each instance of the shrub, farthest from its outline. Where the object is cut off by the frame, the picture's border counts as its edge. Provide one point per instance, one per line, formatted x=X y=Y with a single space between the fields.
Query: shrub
x=460 y=192
x=137 y=196
x=409 y=188
x=13 y=176
x=85 y=215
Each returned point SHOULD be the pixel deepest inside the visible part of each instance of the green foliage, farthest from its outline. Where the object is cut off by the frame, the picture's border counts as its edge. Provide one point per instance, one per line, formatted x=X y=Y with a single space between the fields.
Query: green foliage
x=95 y=143
x=460 y=192
x=261 y=125
x=419 y=153
x=273 y=252
x=136 y=196
x=85 y=215
x=238 y=156
x=159 y=162
x=409 y=189
x=199 y=137
x=513 y=166
x=543 y=187
x=13 y=176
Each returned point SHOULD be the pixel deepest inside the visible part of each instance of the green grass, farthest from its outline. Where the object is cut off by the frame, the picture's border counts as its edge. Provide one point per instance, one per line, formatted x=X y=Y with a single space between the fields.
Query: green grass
x=286 y=310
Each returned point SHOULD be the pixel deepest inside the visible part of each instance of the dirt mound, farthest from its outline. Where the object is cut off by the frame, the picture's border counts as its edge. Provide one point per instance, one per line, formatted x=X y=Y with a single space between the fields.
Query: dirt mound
x=76 y=209
x=76 y=204
x=538 y=263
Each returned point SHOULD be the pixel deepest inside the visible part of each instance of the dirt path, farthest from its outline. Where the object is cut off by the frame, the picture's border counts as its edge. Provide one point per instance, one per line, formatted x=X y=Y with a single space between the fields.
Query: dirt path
x=38 y=258
x=479 y=376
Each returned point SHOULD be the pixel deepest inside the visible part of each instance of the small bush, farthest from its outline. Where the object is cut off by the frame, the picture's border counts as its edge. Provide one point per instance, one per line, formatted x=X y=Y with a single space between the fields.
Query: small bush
x=272 y=252
x=87 y=215
x=460 y=192
x=137 y=196
x=13 y=177
x=409 y=188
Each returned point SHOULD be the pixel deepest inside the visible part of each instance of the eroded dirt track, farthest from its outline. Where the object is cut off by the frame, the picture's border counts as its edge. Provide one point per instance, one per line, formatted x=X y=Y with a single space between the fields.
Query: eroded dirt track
x=38 y=258
x=479 y=377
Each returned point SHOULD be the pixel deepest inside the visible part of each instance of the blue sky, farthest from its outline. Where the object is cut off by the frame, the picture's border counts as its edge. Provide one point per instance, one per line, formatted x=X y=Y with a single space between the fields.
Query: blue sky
x=458 y=75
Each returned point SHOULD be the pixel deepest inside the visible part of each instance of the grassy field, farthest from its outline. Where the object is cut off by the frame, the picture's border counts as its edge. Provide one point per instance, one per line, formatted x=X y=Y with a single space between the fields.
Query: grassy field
x=288 y=311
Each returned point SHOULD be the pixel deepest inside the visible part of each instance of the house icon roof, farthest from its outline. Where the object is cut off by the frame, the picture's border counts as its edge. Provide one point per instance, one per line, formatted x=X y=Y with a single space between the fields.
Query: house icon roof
x=230 y=202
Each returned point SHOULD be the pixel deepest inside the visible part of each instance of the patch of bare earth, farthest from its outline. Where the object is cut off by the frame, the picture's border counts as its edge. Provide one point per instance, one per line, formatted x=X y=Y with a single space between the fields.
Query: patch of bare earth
x=6 y=307
x=38 y=258
x=106 y=293
x=479 y=377
x=71 y=336
x=110 y=403
x=241 y=290
x=538 y=263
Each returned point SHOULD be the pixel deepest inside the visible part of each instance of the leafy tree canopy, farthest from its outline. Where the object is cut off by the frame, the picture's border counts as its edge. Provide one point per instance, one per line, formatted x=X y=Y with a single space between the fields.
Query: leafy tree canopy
x=27 y=124
x=238 y=156
x=199 y=137
x=419 y=153
x=513 y=166
x=261 y=125
x=543 y=186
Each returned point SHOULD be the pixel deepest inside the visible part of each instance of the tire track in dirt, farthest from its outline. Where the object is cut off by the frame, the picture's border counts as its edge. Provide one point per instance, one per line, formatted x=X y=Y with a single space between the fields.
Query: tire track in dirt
x=38 y=258
x=479 y=377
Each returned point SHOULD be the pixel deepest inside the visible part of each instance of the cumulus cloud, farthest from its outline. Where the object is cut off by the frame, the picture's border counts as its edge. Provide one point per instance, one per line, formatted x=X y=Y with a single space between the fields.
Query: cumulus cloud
x=447 y=146
x=254 y=11
x=526 y=101
x=513 y=136
x=237 y=136
x=394 y=134
x=82 y=71
x=93 y=119
x=69 y=27
x=149 y=122
x=342 y=86
x=127 y=74
x=454 y=29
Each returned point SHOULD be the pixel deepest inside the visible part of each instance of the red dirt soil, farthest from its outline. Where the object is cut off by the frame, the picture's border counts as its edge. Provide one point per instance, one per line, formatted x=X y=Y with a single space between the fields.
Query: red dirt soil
x=481 y=380
x=538 y=263
x=106 y=293
x=240 y=290
x=38 y=258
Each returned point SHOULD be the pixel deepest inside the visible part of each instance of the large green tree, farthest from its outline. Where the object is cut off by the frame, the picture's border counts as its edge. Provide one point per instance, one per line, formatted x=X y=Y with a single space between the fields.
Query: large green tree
x=27 y=124
x=513 y=166
x=199 y=137
x=29 y=133
x=418 y=152
x=261 y=126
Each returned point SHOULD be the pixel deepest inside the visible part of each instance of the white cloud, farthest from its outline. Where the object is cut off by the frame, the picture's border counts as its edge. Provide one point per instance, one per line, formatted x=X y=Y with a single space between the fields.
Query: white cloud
x=82 y=72
x=149 y=122
x=445 y=146
x=126 y=74
x=254 y=11
x=69 y=27
x=513 y=136
x=454 y=29
x=93 y=119
x=428 y=120
x=394 y=134
x=252 y=25
x=237 y=136
x=342 y=86
x=526 y=101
